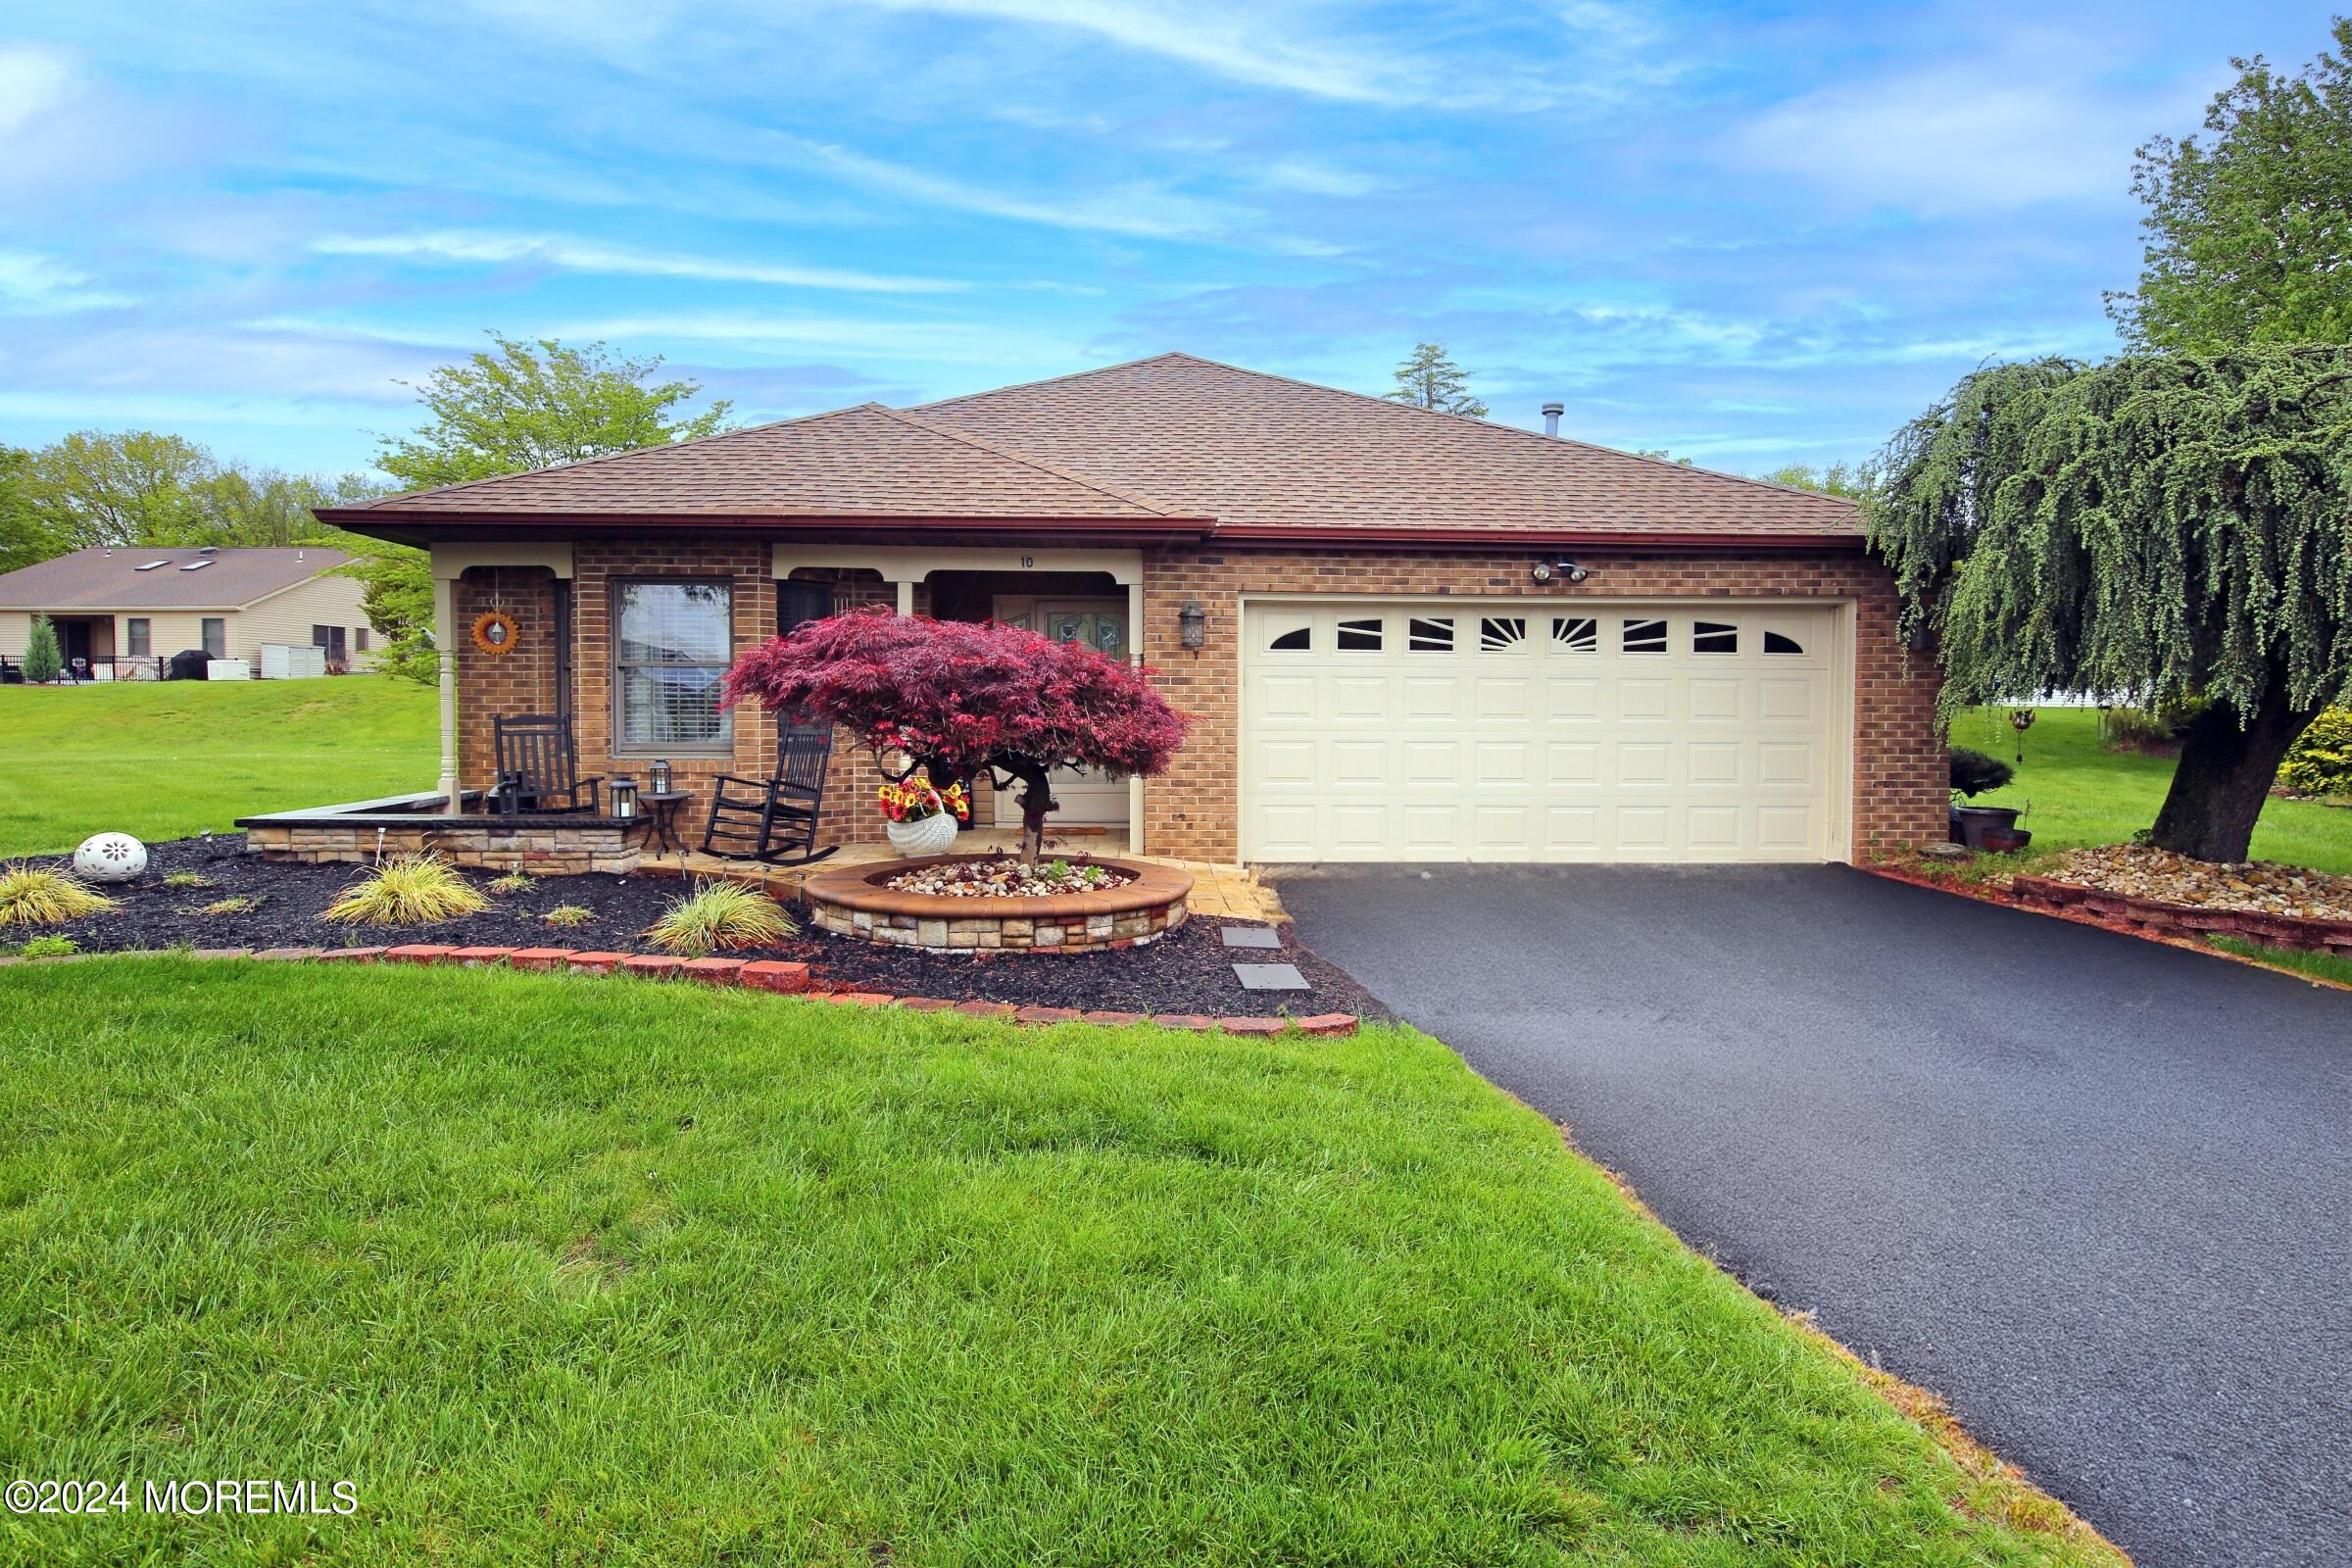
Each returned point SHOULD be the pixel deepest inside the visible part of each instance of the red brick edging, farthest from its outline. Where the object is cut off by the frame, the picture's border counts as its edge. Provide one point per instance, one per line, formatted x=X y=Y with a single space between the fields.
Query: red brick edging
x=2148 y=918
x=763 y=974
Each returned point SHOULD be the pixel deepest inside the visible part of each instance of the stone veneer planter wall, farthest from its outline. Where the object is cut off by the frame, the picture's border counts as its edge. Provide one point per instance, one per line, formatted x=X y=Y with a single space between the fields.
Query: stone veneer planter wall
x=541 y=845
x=852 y=902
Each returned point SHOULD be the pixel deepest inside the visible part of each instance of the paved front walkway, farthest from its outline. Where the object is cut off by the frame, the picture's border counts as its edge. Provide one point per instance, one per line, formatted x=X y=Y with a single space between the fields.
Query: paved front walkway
x=1219 y=892
x=2095 y=1191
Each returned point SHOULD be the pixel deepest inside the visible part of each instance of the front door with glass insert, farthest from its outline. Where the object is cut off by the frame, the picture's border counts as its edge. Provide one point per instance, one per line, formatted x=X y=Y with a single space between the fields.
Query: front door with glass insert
x=1087 y=799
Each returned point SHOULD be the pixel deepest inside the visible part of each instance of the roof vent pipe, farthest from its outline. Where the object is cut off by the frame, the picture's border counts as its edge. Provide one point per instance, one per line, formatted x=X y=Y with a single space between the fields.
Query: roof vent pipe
x=1551 y=417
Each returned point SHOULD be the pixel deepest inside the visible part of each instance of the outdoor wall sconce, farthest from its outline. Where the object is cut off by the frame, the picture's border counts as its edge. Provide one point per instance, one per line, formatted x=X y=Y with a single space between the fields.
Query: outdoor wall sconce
x=1193 y=622
x=624 y=799
x=1546 y=570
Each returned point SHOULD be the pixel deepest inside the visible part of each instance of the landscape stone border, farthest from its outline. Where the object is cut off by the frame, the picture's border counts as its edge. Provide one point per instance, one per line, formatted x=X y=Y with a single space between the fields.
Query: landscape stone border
x=2256 y=925
x=759 y=974
x=853 y=902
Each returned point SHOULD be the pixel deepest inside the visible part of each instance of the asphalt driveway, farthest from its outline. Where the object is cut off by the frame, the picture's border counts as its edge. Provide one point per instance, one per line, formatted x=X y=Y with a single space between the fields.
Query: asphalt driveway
x=2095 y=1191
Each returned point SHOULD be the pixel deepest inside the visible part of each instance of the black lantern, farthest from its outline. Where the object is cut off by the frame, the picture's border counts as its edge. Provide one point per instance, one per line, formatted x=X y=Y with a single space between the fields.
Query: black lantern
x=660 y=770
x=1192 y=622
x=624 y=799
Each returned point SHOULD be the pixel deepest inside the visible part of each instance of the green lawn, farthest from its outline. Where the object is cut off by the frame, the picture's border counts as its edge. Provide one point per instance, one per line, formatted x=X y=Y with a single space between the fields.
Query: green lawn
x=2082 y=793
x=166 y=759
x=561 y=1270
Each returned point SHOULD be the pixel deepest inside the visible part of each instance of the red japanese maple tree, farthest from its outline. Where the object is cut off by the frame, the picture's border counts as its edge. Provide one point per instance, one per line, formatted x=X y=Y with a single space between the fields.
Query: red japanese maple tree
x=958 y=698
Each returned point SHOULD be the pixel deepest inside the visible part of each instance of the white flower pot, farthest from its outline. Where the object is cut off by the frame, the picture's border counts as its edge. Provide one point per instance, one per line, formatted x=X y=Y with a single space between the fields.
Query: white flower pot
x=933 y=835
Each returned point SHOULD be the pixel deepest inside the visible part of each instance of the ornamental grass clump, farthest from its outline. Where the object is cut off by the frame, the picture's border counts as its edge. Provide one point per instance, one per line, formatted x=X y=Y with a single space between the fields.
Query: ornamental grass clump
x=717 y=915
x=407 y=890
x=570 y=916
x=511 y=882
x=34 y=895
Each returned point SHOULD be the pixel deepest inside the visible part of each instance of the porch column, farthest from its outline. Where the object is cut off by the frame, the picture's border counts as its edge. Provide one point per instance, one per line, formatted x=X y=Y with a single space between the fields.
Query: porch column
x=445 y=644
x=1135 y=650
x=905 y=596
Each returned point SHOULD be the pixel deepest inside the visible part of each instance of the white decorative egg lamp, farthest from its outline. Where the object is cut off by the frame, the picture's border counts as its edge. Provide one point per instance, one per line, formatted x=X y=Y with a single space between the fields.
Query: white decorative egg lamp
x=110 y=858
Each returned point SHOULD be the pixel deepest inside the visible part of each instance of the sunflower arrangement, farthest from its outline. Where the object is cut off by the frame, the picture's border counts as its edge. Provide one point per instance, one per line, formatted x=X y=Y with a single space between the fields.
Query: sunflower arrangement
x=918 y=798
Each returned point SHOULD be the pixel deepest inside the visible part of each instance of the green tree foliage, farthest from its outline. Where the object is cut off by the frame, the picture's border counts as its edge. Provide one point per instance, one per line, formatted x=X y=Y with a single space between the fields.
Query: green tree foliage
x=2154 y=528
x=139 y=487
x=1837 y=479
x=2249 y=233
x=523 y=406
x=23 y=541
x=506 y=410
x=43 y=659
x=1430 y=380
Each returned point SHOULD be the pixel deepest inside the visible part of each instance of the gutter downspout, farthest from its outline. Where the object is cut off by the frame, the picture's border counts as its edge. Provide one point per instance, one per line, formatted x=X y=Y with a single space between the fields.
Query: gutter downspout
x=445 y=643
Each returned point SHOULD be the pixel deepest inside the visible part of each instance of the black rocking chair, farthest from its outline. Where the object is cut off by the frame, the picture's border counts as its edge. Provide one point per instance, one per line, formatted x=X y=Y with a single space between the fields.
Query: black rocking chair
x=538 y=766
x=774 y=820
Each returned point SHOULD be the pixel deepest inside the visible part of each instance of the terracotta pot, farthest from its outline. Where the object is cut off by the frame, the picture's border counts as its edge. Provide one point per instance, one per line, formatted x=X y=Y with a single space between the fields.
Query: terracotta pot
x=931 y=835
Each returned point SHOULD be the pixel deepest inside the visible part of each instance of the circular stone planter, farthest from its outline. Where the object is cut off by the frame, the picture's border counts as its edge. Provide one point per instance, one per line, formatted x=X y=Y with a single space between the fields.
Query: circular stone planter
x=852 y=902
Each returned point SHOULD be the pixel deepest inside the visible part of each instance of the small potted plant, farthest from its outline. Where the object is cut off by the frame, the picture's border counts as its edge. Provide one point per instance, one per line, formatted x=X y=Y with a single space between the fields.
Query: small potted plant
x=921 y=818
x=1971 y=774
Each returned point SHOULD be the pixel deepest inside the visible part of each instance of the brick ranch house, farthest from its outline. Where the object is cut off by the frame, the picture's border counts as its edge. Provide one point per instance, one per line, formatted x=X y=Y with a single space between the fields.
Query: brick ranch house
x=1405 y=635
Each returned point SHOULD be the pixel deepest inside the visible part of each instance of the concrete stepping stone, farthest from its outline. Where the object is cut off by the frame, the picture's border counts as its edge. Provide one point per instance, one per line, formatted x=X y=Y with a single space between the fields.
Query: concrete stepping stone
x=1270 y=977
x=1250 y=936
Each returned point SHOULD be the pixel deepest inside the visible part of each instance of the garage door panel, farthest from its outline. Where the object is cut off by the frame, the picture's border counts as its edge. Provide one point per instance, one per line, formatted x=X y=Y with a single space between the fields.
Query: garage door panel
x=1433 y=697
x=1713 y=763
x=1645 y=698
x=1407 y=731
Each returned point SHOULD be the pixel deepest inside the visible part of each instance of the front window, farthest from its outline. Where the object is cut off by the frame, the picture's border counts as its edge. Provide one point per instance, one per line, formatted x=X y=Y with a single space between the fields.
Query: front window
x=140 y=633
x=672 y=643
x=216 y=636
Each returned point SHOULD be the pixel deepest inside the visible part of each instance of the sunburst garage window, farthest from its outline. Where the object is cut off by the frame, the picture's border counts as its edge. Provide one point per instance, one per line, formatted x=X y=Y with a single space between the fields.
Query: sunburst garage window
x=674 y=642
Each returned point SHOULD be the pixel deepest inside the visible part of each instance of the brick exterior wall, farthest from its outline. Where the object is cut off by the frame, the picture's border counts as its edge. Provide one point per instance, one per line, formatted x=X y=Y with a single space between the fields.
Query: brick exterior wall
x=1900 y=791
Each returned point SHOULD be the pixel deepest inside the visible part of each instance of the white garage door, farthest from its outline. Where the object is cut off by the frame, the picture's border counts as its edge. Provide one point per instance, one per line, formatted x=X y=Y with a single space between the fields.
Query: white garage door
x=1442 y=731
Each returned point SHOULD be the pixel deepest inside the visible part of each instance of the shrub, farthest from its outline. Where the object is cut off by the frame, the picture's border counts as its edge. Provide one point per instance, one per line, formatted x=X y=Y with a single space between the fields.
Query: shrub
x=50 y=947
x=408 y=890
x=2320 y=762
x=570 y=916
x=43 y=660
x=1974 y=772
x=187 y=879
x=719 y=914
x=234 y=904
x=511 y=882
x=34 y=895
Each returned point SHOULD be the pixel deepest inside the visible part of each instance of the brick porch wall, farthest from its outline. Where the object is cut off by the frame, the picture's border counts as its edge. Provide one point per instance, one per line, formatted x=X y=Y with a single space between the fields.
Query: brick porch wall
x=1900 y=788
x=522 y=680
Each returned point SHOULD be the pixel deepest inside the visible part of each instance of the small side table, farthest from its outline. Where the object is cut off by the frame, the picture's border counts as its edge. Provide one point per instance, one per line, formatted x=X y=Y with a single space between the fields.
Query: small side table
x=663 y=811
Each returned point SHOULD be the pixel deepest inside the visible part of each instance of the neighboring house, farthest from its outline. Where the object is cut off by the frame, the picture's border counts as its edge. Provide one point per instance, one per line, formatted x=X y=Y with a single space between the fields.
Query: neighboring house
x=127 y=609
x=1405 y=635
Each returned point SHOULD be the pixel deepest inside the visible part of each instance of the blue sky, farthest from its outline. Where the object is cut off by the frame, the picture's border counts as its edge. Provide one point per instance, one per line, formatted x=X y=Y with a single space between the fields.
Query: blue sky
x=1747 y=233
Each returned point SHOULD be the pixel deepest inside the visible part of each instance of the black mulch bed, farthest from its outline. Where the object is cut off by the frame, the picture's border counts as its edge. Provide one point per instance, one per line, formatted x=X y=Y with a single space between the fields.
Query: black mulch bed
x=1190 y=971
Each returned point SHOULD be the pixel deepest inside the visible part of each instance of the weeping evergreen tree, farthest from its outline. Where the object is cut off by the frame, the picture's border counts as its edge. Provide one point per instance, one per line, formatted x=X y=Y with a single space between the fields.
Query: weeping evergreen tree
x=2158 y=526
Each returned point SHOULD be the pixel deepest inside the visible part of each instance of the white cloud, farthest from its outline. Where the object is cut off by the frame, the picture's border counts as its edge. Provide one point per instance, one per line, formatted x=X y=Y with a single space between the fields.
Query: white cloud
x=2024 y=126
x=31 y=83
x=33 y=284
x=1139 y=211
x=584 y=256
x=958 y=341
x=1269 y=46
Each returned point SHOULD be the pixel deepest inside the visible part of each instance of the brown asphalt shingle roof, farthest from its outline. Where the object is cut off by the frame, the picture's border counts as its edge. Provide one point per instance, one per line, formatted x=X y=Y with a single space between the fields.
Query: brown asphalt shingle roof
x=1264 y=450
x=868 y=461
x=1169 y=437
x=102 y=579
